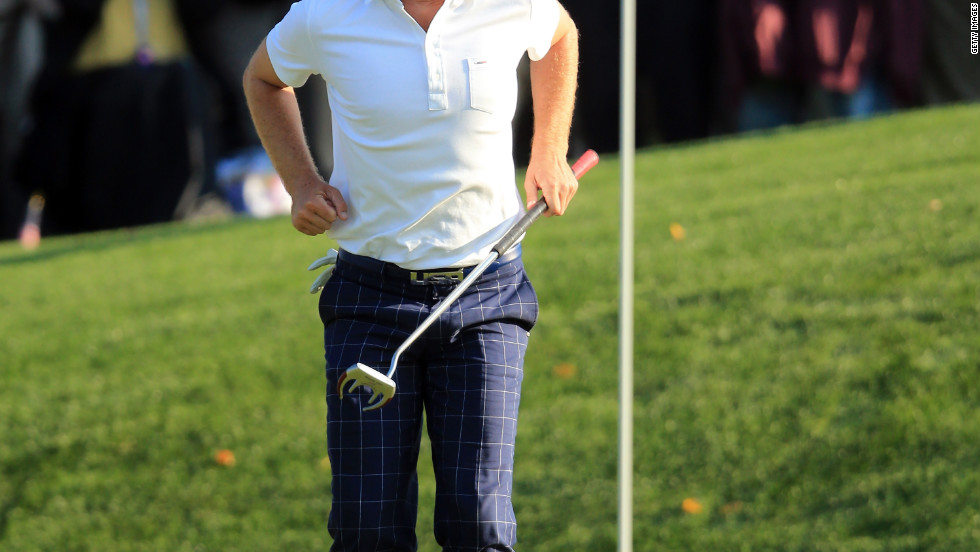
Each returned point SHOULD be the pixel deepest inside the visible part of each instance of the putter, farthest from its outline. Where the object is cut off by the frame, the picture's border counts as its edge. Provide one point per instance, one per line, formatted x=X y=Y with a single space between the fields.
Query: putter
x=381 y=385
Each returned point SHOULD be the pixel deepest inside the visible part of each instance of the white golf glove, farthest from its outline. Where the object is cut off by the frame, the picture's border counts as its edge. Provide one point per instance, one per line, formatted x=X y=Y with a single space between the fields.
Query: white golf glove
x=329 y=261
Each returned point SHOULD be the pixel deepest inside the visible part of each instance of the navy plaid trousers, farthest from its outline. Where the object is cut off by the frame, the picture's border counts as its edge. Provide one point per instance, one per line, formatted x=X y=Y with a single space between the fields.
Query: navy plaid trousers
x=464 y=373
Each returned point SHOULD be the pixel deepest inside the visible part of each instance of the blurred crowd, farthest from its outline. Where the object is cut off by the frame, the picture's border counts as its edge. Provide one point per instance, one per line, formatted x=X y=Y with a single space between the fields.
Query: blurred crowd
x=119 y=113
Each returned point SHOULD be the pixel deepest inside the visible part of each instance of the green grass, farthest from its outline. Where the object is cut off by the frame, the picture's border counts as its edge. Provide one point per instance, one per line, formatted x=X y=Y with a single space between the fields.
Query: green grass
x=807 y=360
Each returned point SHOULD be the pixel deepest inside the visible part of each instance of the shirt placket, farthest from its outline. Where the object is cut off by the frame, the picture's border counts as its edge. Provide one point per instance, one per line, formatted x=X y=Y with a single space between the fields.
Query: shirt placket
x=435 y=65
x=435 y=61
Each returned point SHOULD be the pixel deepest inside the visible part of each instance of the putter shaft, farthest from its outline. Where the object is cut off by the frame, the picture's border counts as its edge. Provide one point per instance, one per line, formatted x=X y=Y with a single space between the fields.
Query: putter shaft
x=443 y=306
x=362 y=375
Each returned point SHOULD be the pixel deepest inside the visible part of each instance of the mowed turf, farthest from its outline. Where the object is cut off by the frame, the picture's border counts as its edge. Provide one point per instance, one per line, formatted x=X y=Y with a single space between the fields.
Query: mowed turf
x=807 y=363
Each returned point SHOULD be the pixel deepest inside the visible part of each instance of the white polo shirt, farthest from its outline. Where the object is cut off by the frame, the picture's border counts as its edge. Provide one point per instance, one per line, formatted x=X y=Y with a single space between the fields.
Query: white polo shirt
x=421 y=120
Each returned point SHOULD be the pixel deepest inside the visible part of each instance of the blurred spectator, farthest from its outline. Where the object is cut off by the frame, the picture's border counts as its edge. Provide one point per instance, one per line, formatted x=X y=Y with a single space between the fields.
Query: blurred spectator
x=676 y=72
x=119 y=128
x=227 y=45
x=125 y=131
x=950 y=73
x=676 y=59
x=756 y=51
x=20 y=60
x=244 y=174
x=789 y=62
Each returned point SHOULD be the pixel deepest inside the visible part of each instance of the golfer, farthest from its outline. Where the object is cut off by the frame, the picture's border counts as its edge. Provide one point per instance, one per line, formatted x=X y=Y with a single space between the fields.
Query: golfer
x=422 y=95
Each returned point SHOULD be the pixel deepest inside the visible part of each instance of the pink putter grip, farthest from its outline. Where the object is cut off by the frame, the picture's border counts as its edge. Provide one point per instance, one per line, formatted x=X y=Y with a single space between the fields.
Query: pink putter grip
x=582 y=166
x=588 y=160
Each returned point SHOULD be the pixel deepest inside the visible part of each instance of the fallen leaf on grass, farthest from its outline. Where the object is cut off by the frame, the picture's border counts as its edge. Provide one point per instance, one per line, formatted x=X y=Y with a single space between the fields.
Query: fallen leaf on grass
x=677 y=231
x=225 y=458
x=732 y=508
x=564 y=370
x=692 y=506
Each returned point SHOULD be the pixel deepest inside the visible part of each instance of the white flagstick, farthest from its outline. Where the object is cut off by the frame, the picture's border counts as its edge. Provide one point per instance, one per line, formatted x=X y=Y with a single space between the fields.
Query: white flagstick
x=627 y=145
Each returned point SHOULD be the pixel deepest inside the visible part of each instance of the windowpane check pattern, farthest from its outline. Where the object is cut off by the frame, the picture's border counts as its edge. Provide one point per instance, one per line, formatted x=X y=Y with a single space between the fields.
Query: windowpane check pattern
x=464 y=374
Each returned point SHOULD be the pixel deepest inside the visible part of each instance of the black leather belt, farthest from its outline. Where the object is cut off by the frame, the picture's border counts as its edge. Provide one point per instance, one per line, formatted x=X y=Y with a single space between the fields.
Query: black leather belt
x=434 y=276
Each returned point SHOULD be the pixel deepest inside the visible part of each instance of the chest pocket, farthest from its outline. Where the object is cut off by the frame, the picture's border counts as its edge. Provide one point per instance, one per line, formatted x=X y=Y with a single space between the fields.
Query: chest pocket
x=484 y=85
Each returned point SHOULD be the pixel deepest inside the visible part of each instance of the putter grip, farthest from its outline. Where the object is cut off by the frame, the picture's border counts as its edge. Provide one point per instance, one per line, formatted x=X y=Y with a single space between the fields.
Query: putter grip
x=579 y=168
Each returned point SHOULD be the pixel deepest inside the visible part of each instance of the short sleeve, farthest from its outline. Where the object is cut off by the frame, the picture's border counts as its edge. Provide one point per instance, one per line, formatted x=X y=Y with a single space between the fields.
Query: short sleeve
x=289 y=46
x=544 y=23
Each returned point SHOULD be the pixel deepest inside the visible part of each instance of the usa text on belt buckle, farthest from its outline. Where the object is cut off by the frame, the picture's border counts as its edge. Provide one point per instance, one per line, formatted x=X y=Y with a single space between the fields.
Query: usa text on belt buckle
x=443 y=277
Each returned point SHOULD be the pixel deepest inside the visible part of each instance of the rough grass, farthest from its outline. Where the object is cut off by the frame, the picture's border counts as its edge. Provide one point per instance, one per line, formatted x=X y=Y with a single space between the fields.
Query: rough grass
x=806 y=363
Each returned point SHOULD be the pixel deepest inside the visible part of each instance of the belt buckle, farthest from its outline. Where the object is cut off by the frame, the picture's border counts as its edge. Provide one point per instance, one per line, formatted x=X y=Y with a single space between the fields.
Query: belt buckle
x=437 y=278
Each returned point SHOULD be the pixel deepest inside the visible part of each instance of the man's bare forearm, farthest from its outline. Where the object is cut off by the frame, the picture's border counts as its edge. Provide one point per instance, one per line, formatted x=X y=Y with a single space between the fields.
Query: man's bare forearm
x=275 y=113
x=553 y=82
x=277 y=120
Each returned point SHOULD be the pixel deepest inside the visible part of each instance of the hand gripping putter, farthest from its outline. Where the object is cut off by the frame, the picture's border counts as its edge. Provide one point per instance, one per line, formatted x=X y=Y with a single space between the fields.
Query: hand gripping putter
x=382 y=385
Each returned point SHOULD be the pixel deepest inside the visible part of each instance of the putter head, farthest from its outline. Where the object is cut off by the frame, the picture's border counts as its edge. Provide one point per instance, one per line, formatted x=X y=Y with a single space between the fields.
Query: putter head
x=382 y=386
